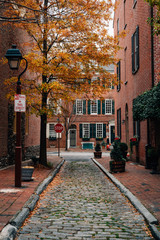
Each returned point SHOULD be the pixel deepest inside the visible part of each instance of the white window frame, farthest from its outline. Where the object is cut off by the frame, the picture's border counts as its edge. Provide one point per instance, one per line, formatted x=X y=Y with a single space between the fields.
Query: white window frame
x=79 y=101
x=96 y=112
x=52 y=133
x=84 y=130
x=108 y=100
x=97 y=134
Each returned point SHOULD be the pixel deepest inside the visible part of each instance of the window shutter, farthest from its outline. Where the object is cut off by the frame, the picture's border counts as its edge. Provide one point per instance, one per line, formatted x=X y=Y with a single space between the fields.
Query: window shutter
x=103 y=106
x=119 y=76
x=89 y=106
x=80 y=130
x=84 y=106
x=113 y=107
x=74 y=107
x=132 y=39
x=99 y=106
x=137 y=47
x=91 y=130
x=104 y=130
x=94 y=131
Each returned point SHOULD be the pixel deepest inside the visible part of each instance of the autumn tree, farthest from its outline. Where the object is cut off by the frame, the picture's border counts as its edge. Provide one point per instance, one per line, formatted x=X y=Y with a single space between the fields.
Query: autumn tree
x=155 y=20
x=68 y=42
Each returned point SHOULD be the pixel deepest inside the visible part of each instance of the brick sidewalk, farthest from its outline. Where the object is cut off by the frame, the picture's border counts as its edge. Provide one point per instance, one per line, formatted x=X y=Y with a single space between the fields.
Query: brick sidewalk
x=145 y=186
x=14 y=199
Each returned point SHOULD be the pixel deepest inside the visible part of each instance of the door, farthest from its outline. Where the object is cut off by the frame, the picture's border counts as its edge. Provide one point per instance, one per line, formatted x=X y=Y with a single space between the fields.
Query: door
x=112 y=133
x=72 y=137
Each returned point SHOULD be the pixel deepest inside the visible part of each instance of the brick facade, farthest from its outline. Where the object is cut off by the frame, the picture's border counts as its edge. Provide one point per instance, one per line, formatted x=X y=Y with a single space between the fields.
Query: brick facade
x=136 y=48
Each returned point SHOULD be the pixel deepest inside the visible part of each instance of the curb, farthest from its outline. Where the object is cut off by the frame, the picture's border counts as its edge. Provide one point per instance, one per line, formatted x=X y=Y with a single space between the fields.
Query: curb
x=149 y=218
x=10 y=230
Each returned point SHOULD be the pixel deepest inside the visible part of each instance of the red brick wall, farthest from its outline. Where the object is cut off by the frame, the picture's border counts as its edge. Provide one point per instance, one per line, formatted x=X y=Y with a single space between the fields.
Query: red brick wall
x=142 y=80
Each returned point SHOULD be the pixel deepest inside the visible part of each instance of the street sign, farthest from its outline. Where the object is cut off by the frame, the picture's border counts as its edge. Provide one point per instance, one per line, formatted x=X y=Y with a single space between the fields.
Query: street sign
x=58 y=128
x=19 y=103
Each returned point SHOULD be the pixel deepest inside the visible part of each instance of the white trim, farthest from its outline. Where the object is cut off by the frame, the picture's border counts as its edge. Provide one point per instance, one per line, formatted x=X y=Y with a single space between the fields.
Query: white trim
x=111 y=124
x=91 y=106
x=111 y=106
x=69 y=141
x=76 y=107
x=96 y=129
x=83 y=130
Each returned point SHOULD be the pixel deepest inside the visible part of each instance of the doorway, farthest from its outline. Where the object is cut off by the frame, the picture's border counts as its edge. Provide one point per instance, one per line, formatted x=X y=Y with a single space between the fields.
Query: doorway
x=72 y=137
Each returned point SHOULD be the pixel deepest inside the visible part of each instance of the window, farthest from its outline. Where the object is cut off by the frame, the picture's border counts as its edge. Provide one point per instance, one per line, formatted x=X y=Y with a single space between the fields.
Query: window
x=118 y=27
x=108 y=106
x=125 y=64
x=118 y=76
x=86 y=130
x=79 y=106
x=135 y=51
x=136 y=128
x=99 y=130
x=52 y=133
x=119 y=122
x=93 y=106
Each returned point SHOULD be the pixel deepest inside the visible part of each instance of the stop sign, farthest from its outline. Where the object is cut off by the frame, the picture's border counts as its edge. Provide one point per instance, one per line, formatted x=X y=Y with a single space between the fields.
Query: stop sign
x=58 y=128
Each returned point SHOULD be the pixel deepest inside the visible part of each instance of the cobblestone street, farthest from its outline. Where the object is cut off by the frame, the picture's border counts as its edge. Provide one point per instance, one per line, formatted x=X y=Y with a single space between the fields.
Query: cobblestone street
x=81 y=203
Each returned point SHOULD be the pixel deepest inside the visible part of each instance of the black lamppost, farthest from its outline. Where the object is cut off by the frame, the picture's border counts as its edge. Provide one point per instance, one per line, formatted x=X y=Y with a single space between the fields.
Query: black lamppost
x=14 y=57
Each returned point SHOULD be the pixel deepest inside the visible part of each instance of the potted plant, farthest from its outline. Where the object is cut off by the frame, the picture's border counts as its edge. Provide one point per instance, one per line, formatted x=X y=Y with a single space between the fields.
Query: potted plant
x=98 y=152
x=27 y=172
x=133 y=142
x=103 y=144
x=153 y=156
x=123 y=147
x=117 y=163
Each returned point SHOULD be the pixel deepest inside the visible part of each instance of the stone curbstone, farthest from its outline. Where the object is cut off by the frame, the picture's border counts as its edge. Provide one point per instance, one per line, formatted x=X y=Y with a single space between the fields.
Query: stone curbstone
x=154 y=231
x=8 y=232
x=32 y=202
x=20 y=217
x=150 y=219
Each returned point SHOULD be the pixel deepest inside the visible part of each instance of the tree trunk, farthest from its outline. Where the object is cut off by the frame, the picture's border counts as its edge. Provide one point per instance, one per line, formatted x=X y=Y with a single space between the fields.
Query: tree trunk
x=43 y=152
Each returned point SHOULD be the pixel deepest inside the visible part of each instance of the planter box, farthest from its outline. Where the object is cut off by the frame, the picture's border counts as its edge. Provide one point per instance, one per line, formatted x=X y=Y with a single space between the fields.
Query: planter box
x=97 y=154
x=27 y=173
x=118 y=166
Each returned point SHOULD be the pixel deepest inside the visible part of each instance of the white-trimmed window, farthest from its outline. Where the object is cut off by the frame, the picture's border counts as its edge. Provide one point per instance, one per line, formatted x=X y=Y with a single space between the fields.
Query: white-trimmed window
x=108 y=106
x=99 y=130
x=94 y=106
x=79 y=106
x=52 y=133
x=86 y=130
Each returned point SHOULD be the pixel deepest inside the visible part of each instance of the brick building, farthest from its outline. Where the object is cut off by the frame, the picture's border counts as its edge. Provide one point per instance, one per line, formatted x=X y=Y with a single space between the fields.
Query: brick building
x=137 y=72
x=89 y=120
x=30 y=124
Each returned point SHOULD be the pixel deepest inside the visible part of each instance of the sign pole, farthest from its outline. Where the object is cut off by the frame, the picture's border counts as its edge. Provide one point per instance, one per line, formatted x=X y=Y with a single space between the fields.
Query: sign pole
x=59 y=144
x=58 y=129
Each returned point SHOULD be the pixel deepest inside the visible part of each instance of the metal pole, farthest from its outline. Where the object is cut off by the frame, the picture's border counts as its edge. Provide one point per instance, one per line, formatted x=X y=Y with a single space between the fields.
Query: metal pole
x=59 y=144
x=18 y=149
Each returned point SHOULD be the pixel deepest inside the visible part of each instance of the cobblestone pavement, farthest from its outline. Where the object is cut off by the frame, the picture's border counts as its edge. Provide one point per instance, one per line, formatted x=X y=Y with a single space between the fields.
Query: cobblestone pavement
x=81 y=203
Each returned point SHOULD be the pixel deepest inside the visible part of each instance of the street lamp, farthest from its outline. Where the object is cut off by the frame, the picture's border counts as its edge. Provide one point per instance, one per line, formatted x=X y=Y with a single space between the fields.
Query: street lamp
x=14 y=57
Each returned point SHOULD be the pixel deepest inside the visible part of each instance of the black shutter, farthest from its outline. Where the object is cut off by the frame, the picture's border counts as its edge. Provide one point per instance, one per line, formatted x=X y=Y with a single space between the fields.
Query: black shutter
x=104 y=130
x=80 y=130
x=113 y=107
x=94 y=130
x=91 y=130
x=74 y=107
x=89 y=106
x=133 y=68
x=84 y=106
x=137 y=47
x=99 y=106
x=103 y=106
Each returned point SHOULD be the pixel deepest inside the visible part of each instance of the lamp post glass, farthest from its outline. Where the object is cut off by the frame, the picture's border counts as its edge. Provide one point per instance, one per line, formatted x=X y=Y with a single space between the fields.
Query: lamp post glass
x=14 y=57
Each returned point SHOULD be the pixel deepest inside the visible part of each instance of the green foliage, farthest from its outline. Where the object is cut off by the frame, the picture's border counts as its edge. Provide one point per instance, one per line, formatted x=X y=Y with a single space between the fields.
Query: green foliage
x=116 y=152
x=98 y=147
x=103 y=144
x=147 y=105
x=123 y=146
